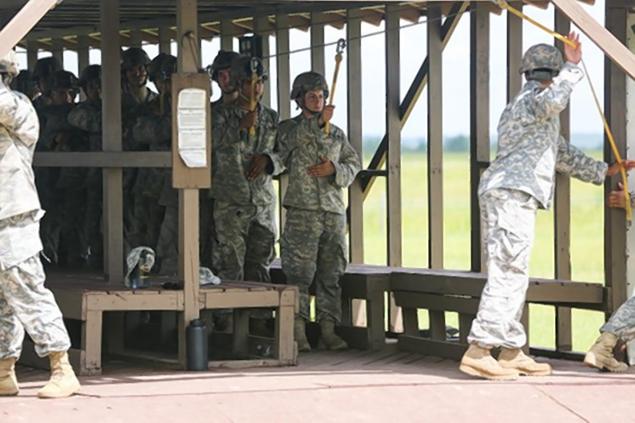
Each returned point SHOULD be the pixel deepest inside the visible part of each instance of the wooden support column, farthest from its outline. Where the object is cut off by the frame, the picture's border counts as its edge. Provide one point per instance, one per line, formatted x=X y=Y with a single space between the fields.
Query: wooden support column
x=262 y=27
x=188 y=61
x=630 y=137
x=435 y=157
x=135 y=38
x=111 y=133
x=283 y=72
x=393 y=156
x=165 y=42
x=57 y=49
x=562 y=215
x=226 y=35
x=354 y=82
x=514 y=52
x=317 y=42
x=479 y=121
x=615 y=220
x=83 y=57
x=31 y=54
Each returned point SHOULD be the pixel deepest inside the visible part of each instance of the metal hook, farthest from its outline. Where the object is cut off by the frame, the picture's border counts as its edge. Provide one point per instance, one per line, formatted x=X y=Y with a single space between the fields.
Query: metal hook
x=254 y=64
x=341 y=45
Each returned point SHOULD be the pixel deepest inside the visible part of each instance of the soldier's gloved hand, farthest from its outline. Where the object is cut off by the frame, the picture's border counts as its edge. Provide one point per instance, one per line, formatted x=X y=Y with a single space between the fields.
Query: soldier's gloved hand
x=327 y=114
x=249 y=120
x=614 y=169
x=259 y=163
x=617 y=198
x=325 y=168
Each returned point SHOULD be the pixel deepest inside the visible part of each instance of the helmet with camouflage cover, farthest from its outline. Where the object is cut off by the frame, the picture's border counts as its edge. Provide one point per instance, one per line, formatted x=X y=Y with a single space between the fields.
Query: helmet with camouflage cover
x=45 y=68
x=134 y=56
x=541 y=62
x=162 y=67
x=90 y=73
x=9 y=64
x=223 y=60
x=240 y=69
x=308 y=81
x=64 y=80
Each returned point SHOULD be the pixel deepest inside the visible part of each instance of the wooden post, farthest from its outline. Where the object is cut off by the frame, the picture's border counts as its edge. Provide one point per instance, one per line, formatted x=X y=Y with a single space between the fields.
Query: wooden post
x=317 y=42
x=283 y=72
x=188 y=61
x=83 y=57
x=393 y=165
x=562 y=216
x=630 y=137
x=226 y=35
x=135 y=38
x=111 y=133
x=31 y=54
x=165 y=42
x=514 y=52
x=479 y=121
x=614 y=219
x=262 y=28
x=57 y=50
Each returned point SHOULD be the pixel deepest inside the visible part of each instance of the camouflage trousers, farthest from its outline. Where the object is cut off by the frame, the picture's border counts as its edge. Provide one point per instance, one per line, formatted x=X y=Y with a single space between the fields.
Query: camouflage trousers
x=245 y=237
x=313 y=247
x=26 y=304
x=622 y=322
x=507 y=225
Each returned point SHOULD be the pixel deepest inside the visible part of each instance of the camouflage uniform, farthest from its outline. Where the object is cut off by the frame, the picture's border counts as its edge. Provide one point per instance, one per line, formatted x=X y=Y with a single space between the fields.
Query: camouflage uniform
x=518 y=182
x=313 y=244
x=24 y=302
x=244 y=210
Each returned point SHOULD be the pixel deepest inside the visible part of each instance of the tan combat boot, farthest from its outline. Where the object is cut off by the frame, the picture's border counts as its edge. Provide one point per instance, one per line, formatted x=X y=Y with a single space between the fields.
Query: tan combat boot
x=328 y=337
x=478 y=361
x=63 y=382
x=526 y=366
x=601 y=354
x=8 y=381
x=299 y=331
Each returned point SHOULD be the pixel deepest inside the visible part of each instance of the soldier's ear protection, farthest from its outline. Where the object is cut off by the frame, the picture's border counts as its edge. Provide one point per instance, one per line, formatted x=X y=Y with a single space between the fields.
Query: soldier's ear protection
x=541 y=74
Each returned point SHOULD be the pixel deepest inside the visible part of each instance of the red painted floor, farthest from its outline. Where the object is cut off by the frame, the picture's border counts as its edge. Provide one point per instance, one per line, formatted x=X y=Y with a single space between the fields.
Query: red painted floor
x=355 y=386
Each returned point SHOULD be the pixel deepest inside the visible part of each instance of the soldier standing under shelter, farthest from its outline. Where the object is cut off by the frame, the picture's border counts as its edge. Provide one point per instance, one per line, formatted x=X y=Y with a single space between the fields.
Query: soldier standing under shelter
x=24 y=301
x=518 y=182
x=313 y=246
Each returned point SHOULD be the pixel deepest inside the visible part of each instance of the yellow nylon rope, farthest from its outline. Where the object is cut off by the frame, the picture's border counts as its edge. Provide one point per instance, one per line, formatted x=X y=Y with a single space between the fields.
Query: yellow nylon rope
x=609 y=134
x=341 y=44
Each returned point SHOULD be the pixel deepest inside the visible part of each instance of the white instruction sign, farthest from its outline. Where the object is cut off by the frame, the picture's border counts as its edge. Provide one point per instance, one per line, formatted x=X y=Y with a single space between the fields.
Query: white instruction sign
x=192 y=126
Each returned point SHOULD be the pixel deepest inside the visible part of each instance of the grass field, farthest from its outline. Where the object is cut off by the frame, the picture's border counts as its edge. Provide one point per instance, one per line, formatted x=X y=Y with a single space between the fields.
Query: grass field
x=587 y=243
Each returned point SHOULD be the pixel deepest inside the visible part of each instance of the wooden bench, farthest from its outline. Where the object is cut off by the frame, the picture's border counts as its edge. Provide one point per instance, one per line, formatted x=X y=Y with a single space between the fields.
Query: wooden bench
x=365 y=282
x=441 y=291
x=85 y=299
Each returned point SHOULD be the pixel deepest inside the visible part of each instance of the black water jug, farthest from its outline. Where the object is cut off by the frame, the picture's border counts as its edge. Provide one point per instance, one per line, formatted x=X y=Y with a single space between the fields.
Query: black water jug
x=196 y=335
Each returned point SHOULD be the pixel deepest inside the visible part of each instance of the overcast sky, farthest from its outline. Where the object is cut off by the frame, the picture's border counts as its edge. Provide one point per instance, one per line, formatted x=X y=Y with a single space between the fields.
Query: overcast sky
x=413 y=51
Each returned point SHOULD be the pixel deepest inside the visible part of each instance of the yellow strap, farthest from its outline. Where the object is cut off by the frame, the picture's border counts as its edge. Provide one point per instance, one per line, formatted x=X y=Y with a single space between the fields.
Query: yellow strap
x=338 y=60
x=252 y=99
x=609 y=134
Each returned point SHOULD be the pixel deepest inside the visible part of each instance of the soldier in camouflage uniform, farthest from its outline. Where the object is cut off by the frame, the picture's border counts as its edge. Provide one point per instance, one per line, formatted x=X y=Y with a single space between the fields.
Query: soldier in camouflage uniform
x=24 y=83
x=86 y=117
x=43 y=77
x=517 y=183
x=153 y=189
x=135 y=98
x=313 y=246
x=24 y=301
x=244 y=199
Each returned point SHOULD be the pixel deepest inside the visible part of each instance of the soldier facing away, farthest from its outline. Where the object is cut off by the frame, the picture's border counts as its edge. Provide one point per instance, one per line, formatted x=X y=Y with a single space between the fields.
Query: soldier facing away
x=517 y=183
x=313 y=245
x=24 y=301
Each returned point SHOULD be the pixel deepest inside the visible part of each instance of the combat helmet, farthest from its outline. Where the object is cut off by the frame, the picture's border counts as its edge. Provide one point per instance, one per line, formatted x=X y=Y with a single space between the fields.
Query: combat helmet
x=9 y=64
x=541 y=62
x=162 y=67
x=308 y=81
x=90 y=73
x=134 y=56
x=45 y=68
x=223 y=60
x=240 y=69
x=64 y=80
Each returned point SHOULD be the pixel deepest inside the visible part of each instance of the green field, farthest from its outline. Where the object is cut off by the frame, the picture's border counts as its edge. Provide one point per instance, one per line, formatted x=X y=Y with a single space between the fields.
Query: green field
x=587 y=244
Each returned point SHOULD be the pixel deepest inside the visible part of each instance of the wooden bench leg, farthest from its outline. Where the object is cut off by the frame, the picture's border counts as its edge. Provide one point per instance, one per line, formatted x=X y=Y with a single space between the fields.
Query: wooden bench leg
x=90 y=363
x=376 y=332
x=286 y=350
x=241 y=331
x=525 y=321
x=347 y=311
x=115 y=325
x=410 y=321
x=437 y=325
x=465 y=325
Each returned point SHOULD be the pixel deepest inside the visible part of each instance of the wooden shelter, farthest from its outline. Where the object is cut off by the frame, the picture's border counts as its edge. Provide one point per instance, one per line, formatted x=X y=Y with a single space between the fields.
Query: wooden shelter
x=109 y=24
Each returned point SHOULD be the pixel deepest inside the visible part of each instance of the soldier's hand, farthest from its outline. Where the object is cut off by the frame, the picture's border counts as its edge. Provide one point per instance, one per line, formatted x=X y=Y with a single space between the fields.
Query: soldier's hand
x=571 y=54
x=617 y=198
x=325 y=168
x=614 y=169
x=249 y=120
x=327 y=114
x=257 y=166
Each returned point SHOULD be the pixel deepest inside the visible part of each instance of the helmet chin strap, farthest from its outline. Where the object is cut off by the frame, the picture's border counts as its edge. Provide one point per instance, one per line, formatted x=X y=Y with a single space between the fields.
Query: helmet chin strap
x=306 y=109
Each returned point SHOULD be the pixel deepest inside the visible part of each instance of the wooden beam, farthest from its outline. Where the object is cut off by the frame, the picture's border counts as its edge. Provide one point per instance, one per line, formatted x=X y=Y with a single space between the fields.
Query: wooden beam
x=188 y=62
x=514 y=53
x=283 y=72
x=262 y=27
x=135 y=38
x=562 y=216
x=317 y=42
x=614 y=220
x=479 y=122
x=226 y=35
x=83 y=57
x=354 y=117
x=57 y=49
x=165 y=40
x=23 y=21
x=105 y=159
x=611 y=44
x=435 y=138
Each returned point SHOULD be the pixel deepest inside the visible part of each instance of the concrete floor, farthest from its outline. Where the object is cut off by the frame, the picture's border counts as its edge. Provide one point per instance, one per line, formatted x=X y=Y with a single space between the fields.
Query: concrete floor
x=353 y=386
